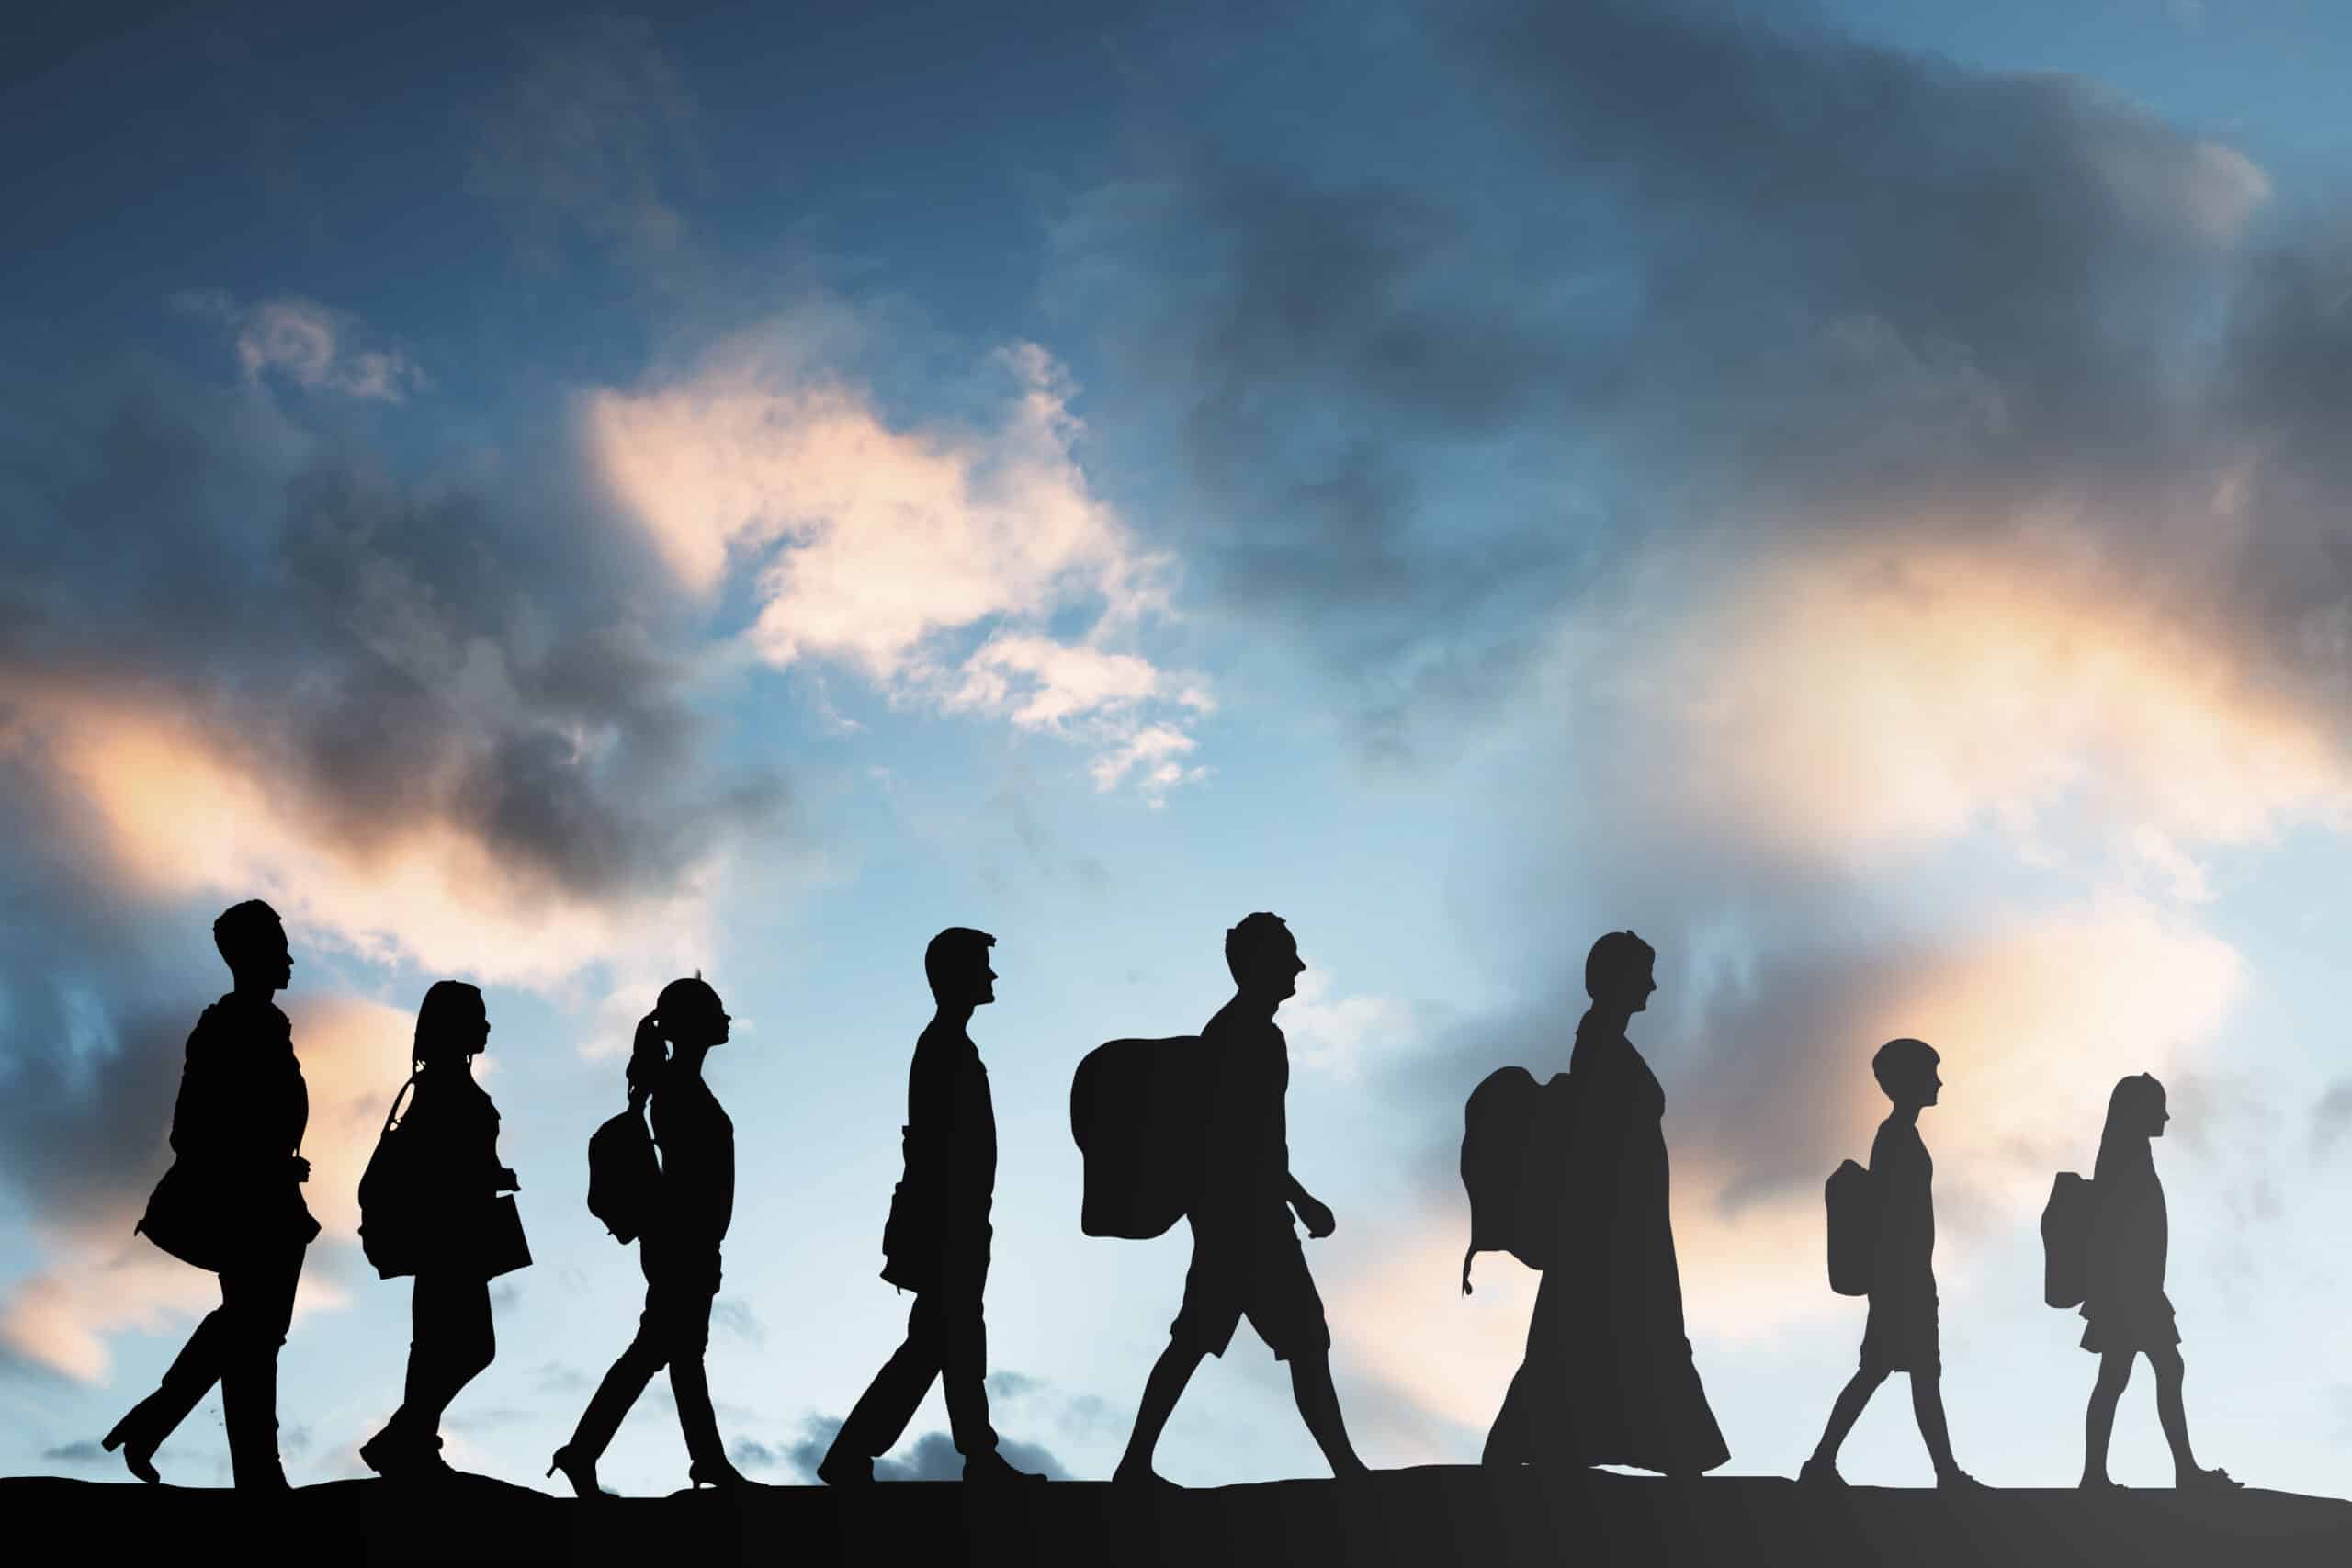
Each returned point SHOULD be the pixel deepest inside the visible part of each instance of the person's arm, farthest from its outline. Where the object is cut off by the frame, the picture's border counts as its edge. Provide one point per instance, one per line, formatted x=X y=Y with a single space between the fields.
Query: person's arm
x=1312 y=1214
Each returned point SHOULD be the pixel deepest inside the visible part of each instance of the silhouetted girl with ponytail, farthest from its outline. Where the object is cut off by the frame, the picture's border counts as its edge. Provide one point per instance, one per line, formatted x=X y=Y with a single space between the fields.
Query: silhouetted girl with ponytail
x=679 y=1249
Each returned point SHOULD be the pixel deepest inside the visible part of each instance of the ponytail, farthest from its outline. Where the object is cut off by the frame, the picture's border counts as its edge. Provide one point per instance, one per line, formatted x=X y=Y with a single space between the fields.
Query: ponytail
x=646 y=1057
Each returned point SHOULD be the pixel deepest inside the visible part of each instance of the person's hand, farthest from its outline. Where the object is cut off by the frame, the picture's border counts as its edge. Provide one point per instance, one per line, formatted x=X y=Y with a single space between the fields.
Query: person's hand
x=1319 y=1220
x=507 y=1180
x=301 y=1168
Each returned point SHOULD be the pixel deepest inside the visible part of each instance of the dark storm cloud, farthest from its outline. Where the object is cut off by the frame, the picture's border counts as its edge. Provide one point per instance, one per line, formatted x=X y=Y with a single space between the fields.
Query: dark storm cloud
x=1667 y=270
x=383 y=656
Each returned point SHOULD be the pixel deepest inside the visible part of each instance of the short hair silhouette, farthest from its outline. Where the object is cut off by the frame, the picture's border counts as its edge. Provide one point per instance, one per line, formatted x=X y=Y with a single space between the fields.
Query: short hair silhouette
x=1900 y=1060
x=950 y=959
x=244 y=927
x=1616 y=960
x=1245 y=940
x=442 y=1021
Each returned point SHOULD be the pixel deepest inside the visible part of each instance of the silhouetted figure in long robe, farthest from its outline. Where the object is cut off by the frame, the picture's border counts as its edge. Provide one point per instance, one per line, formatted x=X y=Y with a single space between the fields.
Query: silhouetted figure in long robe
x=937 y=1243
x=450 y=1131
x=233 y=1198
x=679 y=1251
x=1608 y=1377
x=2129 y=1313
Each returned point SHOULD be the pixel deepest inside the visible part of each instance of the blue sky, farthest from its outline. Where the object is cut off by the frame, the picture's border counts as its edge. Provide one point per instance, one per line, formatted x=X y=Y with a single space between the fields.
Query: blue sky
x=1849 y=491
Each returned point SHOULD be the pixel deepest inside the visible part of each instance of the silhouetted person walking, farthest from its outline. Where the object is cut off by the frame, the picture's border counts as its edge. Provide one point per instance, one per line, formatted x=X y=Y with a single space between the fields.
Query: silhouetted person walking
x=1608 y=1377
x=451 y=1133
x=1902 y=1334
x=679 y=1250
x=937 y=1241
x=1247 y=1260
x=231 y=1202
x=2130 y=1315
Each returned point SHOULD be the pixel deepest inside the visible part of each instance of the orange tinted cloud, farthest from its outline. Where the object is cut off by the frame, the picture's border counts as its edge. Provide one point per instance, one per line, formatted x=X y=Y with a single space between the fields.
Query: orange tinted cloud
x=183 y=812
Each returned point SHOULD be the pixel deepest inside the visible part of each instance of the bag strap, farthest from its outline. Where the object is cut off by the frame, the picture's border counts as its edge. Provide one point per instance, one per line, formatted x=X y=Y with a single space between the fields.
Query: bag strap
x=393 y=1114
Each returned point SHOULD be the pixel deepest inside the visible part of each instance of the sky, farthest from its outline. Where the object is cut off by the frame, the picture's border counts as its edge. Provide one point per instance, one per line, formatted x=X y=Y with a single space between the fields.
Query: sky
x=1853 y=493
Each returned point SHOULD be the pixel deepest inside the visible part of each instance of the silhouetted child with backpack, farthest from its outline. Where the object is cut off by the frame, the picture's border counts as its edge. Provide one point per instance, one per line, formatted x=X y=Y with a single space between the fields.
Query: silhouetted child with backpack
x=1903 y=1332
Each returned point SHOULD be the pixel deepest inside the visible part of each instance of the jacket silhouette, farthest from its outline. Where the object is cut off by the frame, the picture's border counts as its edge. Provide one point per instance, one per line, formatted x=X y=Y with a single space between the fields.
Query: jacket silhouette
x=232 y=1203
x=679 y=1250
x=938 y=1238
x=1608 y=1376
x=453 y=1179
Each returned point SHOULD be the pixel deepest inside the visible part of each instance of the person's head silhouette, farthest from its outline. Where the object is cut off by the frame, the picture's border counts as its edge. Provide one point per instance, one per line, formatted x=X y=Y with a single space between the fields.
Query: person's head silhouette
x=1906 y=1069
x=1263 y=957
x=957 y=964
x=687 y=1015
x=2136 y=1109
x=452 y=1024
x=1619 y=973
x=251 y=940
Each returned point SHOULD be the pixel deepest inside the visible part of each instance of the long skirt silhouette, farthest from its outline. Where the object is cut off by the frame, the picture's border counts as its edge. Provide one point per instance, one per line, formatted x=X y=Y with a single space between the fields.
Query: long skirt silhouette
x=1608 y=1377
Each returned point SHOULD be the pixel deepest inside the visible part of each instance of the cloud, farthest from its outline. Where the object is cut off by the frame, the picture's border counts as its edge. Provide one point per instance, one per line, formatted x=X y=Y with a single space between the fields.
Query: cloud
x=932 y=1457
x=100 y=1278
x=311 y=344
x=2330 y=1118
x=750 y=1455
x=730 y=1315
x=888 y=551
x=594 y=135
x=76 y=1453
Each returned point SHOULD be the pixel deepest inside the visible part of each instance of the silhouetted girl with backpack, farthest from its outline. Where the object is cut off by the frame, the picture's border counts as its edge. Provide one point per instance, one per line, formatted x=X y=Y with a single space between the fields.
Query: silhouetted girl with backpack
x=2124 y=1299
x=679 y=1249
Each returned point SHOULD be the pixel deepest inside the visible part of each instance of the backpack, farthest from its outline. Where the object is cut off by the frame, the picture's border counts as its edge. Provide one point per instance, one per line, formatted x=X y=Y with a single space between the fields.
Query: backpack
x=1852 y=1202
x=1512 y=1165
x=388 y=1198
x=1137 y=1110
x=2066 y=1241
x=624 y=1176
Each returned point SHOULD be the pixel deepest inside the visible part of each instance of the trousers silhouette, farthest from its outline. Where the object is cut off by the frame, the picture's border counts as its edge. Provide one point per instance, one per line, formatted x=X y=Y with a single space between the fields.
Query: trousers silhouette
x=451 y=1341
x=947 y=1338
x=673 y=1331
x=236 y=1345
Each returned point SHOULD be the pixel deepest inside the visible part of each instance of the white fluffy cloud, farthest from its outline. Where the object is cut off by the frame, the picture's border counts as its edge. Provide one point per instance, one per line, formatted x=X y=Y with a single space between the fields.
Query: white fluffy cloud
x=887 y=548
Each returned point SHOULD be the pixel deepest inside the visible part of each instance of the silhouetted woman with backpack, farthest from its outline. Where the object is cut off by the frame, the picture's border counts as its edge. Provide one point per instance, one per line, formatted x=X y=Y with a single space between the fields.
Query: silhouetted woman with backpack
x=1608 y=1377
x=679 y=1249
x=2124 y=1299
x=454 y=1219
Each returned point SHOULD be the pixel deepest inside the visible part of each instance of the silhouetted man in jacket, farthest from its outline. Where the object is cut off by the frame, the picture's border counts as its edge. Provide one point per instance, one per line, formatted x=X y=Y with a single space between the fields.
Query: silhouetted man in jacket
x=232 y=1203
x=937 y=1241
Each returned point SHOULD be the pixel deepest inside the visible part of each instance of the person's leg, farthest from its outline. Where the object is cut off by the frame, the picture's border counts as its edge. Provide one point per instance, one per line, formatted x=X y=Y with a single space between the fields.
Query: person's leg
x=686 y=1339
x=184 y=1383
x=882 y=1412
x=258 y=1297
x=963 y=1340
x=1161 y=1389
x=1850 y=1402
x=455 y=1340
x=2171 y=1410
x=2098 y=1420
x=1318 y=1407
x=1928 y=1406
x=615 y=1394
